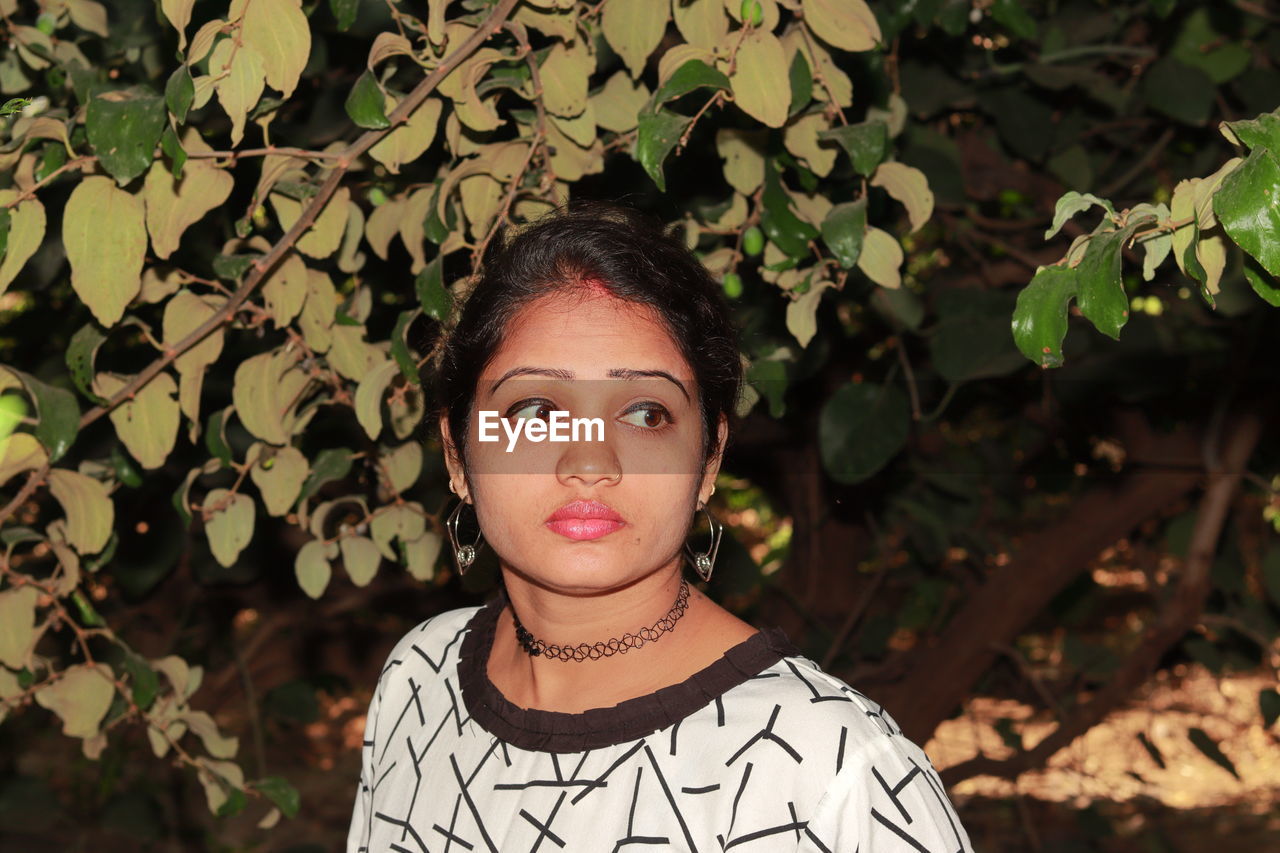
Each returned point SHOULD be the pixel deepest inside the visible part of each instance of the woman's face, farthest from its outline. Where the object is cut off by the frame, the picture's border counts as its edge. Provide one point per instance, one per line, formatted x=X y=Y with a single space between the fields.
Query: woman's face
x=592 y=357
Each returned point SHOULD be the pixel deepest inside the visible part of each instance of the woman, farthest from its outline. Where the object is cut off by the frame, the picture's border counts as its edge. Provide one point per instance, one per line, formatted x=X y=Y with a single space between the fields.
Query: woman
x=599 y=702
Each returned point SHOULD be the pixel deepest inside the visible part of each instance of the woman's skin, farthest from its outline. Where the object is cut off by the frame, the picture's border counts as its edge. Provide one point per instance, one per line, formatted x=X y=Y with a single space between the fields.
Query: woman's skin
x=573 y=591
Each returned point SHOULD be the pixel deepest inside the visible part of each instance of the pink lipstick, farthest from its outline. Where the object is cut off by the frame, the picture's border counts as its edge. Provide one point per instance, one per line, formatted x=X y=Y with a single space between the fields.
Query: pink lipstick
x=584 y=519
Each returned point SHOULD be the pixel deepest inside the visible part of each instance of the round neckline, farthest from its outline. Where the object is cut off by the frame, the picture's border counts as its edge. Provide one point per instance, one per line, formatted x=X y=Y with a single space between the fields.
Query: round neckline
x=559 y=731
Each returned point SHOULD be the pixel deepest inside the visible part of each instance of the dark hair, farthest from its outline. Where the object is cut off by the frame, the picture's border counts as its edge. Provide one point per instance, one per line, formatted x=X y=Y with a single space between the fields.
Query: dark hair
x=583 y=246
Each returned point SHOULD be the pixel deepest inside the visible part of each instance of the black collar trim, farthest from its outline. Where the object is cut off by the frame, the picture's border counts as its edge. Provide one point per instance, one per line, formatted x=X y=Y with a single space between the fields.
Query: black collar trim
x=556 y=731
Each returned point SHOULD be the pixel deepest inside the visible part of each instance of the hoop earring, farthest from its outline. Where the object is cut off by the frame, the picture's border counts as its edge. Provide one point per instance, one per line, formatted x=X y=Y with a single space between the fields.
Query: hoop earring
x=704 y=562
x=465 y=555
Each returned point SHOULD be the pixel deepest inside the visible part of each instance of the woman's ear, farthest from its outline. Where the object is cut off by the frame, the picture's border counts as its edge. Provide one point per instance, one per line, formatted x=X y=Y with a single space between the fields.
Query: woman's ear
x=712 y=469
x=457 y=477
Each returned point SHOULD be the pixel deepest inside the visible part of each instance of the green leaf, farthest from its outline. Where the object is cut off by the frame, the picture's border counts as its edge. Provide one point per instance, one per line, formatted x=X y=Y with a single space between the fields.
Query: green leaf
x=1040 y=316
x=123 y=128
x=215 y=436
x=866 y=143
x=400 y=347
x=1179 y=91
x=1247 y=205
x=344 y=12
x=801 y=83
x=1260 y=132
x=234 y=804
x=861 y=428
x=843 y=229
x=972 y=338
x=769 y=378
x=124 y=468
x=331 y=464
x=1207 y=745
x=365 y=103
x=58 y=413
x=231 y=267
x=788 y=232
x=179 y=92
x=1263 y=285
x=1101 y=292
x=142 y=679
x=172 y=148
x=1072 y=203
x=1010 y=15
x=433 y=296
x=4 y=230
x=278 y=790
x=79 y=357
x=694 y=74
x=1269 y=705
x=656 y=134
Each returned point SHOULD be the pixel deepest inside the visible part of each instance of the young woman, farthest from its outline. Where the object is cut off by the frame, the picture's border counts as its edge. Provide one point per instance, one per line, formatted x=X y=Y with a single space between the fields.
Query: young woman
x=599 y=701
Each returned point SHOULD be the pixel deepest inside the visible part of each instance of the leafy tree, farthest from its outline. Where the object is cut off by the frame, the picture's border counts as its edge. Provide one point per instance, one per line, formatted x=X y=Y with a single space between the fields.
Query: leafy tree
x=873 y=187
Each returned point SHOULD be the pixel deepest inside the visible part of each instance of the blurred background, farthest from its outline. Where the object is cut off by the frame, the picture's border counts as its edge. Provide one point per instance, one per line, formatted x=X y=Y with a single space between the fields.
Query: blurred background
x=1062 y=580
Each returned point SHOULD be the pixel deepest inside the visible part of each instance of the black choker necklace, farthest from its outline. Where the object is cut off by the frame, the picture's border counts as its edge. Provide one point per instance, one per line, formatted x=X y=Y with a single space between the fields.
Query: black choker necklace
x=593 y=651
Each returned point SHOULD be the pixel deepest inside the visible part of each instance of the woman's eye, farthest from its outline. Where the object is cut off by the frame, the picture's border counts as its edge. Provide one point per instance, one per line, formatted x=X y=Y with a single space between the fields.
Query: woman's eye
x=536 y=406
x=650 y=416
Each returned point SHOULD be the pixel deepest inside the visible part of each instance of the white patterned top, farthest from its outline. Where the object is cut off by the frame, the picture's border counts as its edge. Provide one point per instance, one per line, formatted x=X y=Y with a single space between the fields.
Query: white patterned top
x=760 y=751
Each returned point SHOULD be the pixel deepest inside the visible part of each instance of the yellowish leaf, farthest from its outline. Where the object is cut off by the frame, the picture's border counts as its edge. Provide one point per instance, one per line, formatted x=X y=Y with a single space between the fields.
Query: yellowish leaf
x=351 y=355
x=1211 y=252
x=909 y=186
x=182 y=315
x=316 y=320
x=743 y=155
x=20 y=452
x=105 y=237
x=279 y=32
x=881 y=258
x=674 y=57
x=421 y=555
x=239 y=75
x=410 y=140
x=279 y=477
x=1183 y=206
x=412 y=231
x=89 y=510
x=703 y=23
x=89 y=16
x=361 y=558
x=564 y=76
x=311 y=567
x=404 y=521
x=401 y=465
x=17 y=625
x=846 y=24
x=26 y=232
x=581 y=129
x=801 y=139
x=384 y=224
x=80 y=697
x=201 y=42
x=571 y=161
x=285 y=290
x=228 y=522
x=386 y=45
x=324 y=236
x=179 y=14
x=148 y=422
x=369 y=394
x=263 y=392
x=617 y=103
x=633 y=29
x=802 y=312
x=559 y=23
x=173 y=206
x=760 y=82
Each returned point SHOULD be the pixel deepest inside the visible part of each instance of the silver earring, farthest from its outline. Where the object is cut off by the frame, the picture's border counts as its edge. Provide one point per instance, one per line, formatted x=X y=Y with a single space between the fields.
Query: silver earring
x=464 y=554
x=704 y=562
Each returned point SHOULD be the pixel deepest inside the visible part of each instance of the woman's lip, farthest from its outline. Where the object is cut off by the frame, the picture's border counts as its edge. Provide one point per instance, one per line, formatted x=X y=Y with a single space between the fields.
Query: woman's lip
x=584 y=528
x=585 y=510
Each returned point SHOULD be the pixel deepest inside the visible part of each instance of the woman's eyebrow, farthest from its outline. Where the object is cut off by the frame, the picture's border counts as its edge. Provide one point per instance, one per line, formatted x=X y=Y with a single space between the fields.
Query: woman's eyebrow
x=615 y=373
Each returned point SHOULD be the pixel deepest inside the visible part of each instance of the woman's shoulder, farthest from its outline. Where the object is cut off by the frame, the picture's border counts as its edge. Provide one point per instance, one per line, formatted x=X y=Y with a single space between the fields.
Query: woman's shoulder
x=796 y=698
x=429 y=646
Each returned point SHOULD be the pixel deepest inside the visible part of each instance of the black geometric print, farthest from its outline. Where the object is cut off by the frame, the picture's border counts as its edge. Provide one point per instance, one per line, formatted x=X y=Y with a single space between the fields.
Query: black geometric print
x=790 y=759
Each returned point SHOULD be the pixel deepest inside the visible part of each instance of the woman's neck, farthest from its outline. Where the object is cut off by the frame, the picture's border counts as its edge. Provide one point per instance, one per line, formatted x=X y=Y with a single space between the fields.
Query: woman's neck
x=573 y=686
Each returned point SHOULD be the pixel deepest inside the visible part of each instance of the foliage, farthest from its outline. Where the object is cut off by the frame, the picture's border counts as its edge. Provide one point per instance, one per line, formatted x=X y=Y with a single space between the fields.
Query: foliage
x=267 y=379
